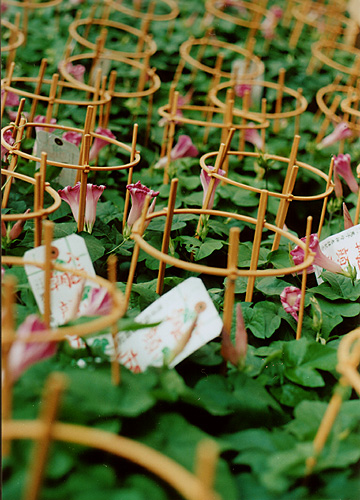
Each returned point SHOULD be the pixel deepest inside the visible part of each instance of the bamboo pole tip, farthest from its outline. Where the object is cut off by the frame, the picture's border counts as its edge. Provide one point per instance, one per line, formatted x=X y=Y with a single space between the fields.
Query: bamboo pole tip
x=57 y=383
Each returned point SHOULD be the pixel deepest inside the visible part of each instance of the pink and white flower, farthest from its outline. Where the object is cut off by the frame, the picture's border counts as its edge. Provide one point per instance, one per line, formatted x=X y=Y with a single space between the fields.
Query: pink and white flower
x=99 y=143
x=320 y=259
x=77 y=71
x=253 y=137
x=138 y=193
x=100 y=303
x=71 y=194
x=183 y=149
x=342 y=167
x=270 y=22
x=290 y=298
x=17 y=228
x=341 y=131
x=73 y=137
x=205 y=182
x=24 y=354
x=12 y=99
x=348 y=223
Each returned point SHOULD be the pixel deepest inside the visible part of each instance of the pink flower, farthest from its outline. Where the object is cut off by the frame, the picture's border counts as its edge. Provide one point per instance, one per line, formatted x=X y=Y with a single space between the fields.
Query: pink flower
x=183 y=149
x=100 y=303
x=23 y=354
x=71 y=195
x=290 y=299
x=98 y=143
x=241 y=88
x=9 y=139
x=11 y=98
x=73 y=137
x=348 y=223
x=138 y=194
x=235 y=354
x=342 y=167
x=77 y=71
x=17 y=228
x=3 y=229
x=42 y=119
x=320 y=259
x=341 y=131
x=269 y=23
x=252 y=135
x=205 y=181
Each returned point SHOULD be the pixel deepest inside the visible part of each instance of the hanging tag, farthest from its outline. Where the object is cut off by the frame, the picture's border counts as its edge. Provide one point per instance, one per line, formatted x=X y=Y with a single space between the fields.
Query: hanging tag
x=68 y=292
x=342 y=248
x=59 y=150
x=187 y=320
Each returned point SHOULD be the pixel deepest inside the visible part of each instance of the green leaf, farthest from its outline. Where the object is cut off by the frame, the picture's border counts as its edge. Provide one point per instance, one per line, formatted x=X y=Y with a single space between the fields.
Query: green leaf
x=207 y=248
x=95 y=247
x=63 y=229
x=263 y=319
x=271 y=285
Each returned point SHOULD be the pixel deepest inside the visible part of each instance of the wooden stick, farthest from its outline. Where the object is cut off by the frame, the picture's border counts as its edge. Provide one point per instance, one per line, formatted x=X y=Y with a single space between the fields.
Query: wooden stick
x=48 y=236
x=323 y=211
x=214 y=82
x=52 y=95
x=130 y=173
x=87 y=130
x=303 y=281
x=139 y=228
x=111 y=89
x=8 y=336
x=256 y=243
x=246 y=105
x=171 y=136
x=207 y=456
x=150 y=106
x=97 y=85
x=8 y=83
x=18 y=117
x=278 y=104
x=325 y=123
x=115 y=366
x=13 y=162
x=232 y=265
x=166 y=128
x=166 y=235
x=228 y=121
x=288 y=186
x=37 y=208
x=102 y=94
x=54 y=388
x=83 y=186
x=297 y=117
x=40 y=79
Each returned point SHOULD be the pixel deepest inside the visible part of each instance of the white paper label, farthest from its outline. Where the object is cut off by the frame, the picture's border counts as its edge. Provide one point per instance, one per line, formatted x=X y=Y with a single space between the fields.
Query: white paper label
x=68 y=292
x=342 y=248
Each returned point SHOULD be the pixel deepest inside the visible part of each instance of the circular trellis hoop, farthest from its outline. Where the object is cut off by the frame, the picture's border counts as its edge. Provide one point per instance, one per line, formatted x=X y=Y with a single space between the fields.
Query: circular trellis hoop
x=39 y=212
x=33 y=5
x=154 y=80
x=174 y=10
x=16 y=36
x=149 y=44
x=47 y=428
x=320 y=51
x=300 y=107
x=256 y=10
x=249 y=57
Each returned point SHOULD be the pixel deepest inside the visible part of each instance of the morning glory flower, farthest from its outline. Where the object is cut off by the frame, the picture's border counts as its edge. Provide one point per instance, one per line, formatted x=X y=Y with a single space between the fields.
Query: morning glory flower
x=341 y=131
x=290 y=299
x=342 y=167
x=98 y=143
x=138 y=193
x=71 y=194
x=320 y=259
x=205 y=181
x=183 y=149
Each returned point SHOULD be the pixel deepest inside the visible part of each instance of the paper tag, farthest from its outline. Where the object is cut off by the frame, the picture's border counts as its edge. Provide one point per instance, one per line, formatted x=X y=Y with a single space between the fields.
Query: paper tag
x=68 y=293
x=59 y=150
x=342 y=248
x=176 y=310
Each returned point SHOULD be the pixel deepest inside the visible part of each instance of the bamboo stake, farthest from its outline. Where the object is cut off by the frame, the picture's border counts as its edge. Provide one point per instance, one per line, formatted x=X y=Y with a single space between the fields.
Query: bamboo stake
x=111 y=89
x=303 y=281
x=323 y=211
x=18 y=117
x=54 y=388
x=102 y=106
x=25 y=19
x=37 y=208
x=130 y=174
x=171 y=136
x=255 y=26
x=232 y=265
x=48 y=236
x=83 y=186
x=256 y=244
x=13 y=162
x=263 y=130
x=40 y=79
x=8 y=83
x=288 y=186
x=278 y=104
x=150 y=106
x=228 y=120
x=142 y=77
x=52 y=95
x=115 y=366
x=297 y=117
x=246 y=105
x=207 y=456
x=87 y=130
x=139 y=228
x=166 y=235
x=8 y=336
x=166 y=127
x=97 y=85
x=214 y=82
x=325 y=123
